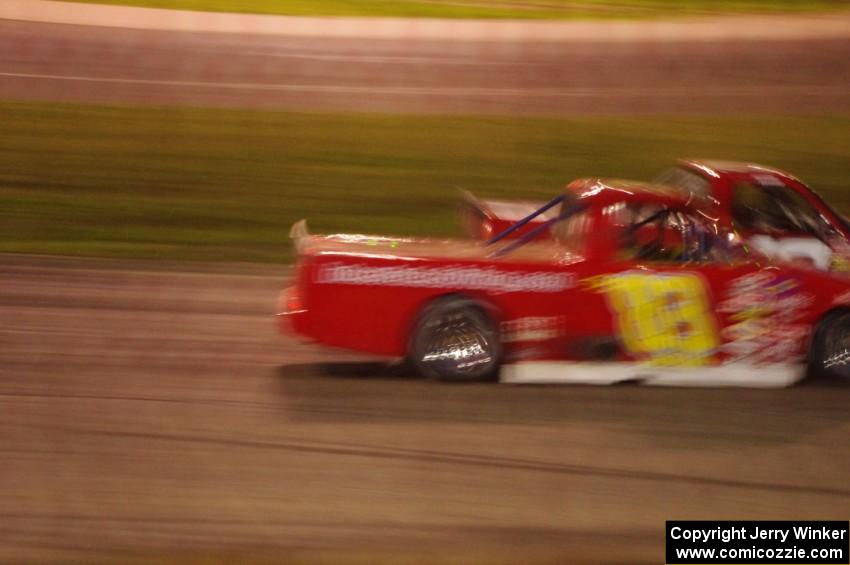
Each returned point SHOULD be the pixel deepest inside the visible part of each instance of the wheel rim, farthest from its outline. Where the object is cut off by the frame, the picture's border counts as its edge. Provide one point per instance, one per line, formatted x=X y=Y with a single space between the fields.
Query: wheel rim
x=457 y=345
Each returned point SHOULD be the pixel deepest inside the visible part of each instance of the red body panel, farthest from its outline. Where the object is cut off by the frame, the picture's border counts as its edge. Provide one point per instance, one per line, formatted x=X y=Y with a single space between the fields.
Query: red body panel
x=377 y=318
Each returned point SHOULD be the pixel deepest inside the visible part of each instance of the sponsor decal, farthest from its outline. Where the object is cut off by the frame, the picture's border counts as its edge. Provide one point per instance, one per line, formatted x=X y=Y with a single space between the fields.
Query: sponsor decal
x=840 y=264
x=663 y=319
x=763 y=310
x=840 y=258
x=535 y=328
x=460 y=277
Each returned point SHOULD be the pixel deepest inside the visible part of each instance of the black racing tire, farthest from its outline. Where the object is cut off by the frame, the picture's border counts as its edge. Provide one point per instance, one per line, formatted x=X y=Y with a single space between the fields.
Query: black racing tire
x=455 y=339
x=830 y=352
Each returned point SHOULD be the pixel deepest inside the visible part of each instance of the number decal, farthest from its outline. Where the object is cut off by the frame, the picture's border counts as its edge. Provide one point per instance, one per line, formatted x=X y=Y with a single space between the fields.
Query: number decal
x=664 y=319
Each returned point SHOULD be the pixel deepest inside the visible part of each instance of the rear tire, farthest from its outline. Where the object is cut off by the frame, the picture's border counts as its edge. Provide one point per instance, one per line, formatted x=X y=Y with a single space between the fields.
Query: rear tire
x=830 y=353
x=454 y=339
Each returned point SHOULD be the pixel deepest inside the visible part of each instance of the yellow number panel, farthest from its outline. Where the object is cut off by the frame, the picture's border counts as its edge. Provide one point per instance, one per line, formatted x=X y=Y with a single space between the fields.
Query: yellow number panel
x=664 y=319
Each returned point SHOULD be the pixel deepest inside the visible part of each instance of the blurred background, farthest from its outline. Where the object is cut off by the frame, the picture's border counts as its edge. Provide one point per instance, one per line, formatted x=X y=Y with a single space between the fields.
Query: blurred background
x=153 y=154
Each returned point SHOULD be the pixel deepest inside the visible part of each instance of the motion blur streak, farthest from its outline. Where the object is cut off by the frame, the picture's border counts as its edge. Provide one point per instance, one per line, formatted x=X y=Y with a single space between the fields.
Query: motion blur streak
x=147 y=410
x=92 y=64
x=669 y=91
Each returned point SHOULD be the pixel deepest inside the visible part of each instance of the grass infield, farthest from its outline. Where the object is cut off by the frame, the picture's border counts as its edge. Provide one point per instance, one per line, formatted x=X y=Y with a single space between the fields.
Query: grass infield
x=212 y=184
x=515 y=9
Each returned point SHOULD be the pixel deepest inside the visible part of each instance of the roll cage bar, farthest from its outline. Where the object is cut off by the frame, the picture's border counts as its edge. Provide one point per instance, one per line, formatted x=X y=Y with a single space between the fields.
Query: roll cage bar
x=504 y=233
x=525 y=238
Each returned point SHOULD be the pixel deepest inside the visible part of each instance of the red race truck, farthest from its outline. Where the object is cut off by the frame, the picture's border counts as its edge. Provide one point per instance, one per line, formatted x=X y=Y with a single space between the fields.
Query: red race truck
x=635 y=282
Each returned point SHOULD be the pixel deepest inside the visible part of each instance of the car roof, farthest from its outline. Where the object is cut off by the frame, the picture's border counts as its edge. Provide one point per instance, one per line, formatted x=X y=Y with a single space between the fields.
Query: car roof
x=718 y=167
x=604 y=192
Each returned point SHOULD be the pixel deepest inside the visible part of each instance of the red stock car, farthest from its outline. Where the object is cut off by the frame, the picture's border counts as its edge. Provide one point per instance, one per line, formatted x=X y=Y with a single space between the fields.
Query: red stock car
x=773 y=211
x=637 y=283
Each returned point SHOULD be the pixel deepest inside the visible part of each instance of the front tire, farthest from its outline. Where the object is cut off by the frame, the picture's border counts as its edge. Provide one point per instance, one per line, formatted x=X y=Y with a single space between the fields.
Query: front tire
x=455 y=339
x=830 y=354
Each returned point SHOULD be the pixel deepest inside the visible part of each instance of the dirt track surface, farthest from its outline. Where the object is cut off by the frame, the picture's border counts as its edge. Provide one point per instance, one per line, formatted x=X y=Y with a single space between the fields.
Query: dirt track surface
x=604 y=76
x=156 y=412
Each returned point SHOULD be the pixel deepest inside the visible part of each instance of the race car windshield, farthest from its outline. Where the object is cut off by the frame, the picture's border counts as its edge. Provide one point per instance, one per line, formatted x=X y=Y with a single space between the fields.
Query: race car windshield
x=776 y=210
